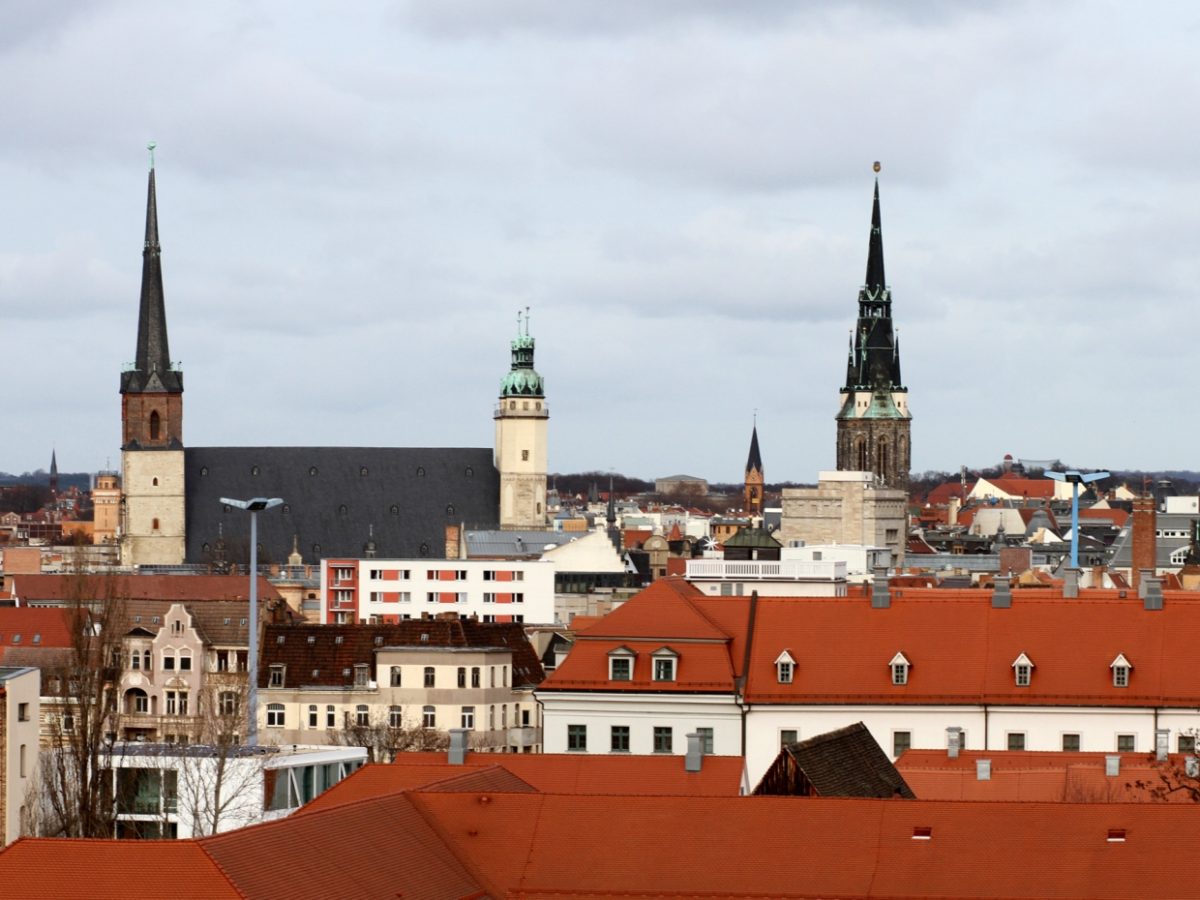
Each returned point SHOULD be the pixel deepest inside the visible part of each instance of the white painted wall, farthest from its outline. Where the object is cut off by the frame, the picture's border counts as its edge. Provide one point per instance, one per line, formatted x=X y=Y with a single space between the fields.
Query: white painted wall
x=683 y=713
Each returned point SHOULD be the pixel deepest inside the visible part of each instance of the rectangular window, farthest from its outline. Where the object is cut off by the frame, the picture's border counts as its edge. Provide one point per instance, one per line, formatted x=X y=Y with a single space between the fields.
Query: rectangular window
x=1187 y=743
x=1120 y=676
x=664 y=741
x=395 y=717
x=899 y=674
x=475 y=676
x=489 y=574
x=901 y=741
x=171 y=704
x=22 y=712
x=185 y=662
x=1070 y=743
x=276 y=677
x=395 y=676
x=1022 y=675
x=489 y=598
x=330 y=717
x=785 y=672
x=577 y=738
x=431 y=597
x=664 y=669
x=468 y=717
x=462 y=676
x=619 y=739
x=706 y=740
x=135 y=660
x=168 y=662
x=312 y=716
x=430 y=676
x=360 y=675
x=518 y=598
x=429 y=717
x=788 y=736
x=620 y=668
x=1016 y=740
x=1126 y=743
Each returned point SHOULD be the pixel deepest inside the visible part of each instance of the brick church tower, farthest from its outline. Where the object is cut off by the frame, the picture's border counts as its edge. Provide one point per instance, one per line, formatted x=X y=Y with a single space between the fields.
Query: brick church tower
x=873 y=424
x=152 y=526
x=752 y=490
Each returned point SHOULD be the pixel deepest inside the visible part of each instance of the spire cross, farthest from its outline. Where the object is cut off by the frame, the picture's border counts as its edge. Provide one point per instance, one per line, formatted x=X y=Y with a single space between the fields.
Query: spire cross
x=527 y=321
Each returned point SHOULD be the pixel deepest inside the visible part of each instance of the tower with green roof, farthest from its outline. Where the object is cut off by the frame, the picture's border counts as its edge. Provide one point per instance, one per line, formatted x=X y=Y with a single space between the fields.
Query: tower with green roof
x=873 y=423
x=521 y=423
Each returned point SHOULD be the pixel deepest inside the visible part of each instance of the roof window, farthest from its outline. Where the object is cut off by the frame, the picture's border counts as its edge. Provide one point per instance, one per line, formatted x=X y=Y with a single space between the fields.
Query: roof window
x=785 y=668
x=899 y=666
x=1022 y=670
x=1120 y=671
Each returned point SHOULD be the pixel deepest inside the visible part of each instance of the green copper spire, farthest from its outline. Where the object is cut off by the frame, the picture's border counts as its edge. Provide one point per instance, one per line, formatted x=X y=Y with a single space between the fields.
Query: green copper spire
x=522 y=380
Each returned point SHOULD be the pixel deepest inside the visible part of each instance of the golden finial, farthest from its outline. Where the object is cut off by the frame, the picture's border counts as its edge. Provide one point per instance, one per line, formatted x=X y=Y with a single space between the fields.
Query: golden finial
x=877 y=167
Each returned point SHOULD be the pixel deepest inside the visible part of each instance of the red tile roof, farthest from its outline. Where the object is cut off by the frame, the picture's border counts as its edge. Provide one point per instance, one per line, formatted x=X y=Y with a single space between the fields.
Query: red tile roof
x=35 y=627
x=64 y=588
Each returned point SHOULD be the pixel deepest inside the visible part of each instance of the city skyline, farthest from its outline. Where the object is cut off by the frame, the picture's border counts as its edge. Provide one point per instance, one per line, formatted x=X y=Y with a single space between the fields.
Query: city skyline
x=352 y=212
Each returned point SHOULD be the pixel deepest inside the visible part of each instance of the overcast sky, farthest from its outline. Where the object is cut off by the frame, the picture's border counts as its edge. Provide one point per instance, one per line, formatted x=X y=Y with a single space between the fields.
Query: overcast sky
x=355 y=200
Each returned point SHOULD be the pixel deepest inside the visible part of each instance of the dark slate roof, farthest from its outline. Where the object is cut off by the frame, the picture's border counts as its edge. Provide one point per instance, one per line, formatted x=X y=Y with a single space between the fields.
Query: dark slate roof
x=754 y=460
x=334 y=650
x=753 y=538
x=335 y=497
x=843 y=763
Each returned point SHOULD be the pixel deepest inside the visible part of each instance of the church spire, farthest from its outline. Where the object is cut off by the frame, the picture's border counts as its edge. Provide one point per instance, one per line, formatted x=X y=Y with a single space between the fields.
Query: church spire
x=152 y=370
x=754 y=460
x=876 y=282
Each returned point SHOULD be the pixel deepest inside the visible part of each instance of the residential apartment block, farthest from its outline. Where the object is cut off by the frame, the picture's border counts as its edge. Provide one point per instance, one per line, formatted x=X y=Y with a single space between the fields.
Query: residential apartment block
x=386 y=591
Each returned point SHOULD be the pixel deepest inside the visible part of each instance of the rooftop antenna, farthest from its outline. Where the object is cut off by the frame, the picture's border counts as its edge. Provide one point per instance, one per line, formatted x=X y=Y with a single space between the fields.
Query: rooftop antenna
x=1075 y=478
x=150 y=146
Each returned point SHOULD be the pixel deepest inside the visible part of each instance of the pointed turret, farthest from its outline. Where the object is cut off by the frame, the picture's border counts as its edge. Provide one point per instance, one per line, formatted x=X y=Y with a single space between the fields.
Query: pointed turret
x=521 y=416
x=752 y=490
x=754 y=460
x=875 y=281
x=53 y=472
x=152 y=370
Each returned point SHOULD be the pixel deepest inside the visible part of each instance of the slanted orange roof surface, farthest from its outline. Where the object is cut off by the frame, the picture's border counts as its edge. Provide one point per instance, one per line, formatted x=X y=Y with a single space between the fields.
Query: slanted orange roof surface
x=65 y=588
x=23 y=626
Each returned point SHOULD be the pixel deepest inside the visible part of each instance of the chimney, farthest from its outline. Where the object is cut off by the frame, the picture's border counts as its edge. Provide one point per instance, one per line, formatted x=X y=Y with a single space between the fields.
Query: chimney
x=983 y=770
x=1071 y=584
x=458 y=746
x=1154 y=595
x=1162 y=739
x=695 y=753
x=953 y=741
x=1001 y=593
x=1112 y=765
x=1098 y=576
x=1145 y=553
x=952 y=509
x=881 y=596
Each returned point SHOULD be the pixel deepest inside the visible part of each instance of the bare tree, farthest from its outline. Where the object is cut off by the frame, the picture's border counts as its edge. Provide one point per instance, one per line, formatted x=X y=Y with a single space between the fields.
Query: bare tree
x=83 y=713
x=384 y=735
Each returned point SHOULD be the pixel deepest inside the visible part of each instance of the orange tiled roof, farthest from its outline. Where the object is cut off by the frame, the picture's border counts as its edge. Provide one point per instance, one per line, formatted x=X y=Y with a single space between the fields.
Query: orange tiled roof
x=36 y=627
x=64 y=588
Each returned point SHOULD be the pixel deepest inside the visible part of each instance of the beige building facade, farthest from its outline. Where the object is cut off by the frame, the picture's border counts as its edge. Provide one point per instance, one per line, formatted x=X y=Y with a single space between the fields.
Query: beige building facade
x=846 y=508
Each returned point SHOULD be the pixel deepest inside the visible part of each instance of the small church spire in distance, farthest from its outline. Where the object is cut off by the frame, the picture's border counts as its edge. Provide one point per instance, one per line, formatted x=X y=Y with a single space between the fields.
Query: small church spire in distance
x=876 y=283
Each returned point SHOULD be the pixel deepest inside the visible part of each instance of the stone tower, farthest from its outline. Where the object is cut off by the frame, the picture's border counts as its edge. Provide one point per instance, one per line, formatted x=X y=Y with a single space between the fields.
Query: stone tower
x=752 y=492
x=521 y=417
x=873 y=424
x=152 y=526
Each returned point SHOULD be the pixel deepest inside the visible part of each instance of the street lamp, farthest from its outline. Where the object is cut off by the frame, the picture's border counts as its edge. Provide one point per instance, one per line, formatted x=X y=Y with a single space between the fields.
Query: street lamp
x=253 y=506
x=1075 y=479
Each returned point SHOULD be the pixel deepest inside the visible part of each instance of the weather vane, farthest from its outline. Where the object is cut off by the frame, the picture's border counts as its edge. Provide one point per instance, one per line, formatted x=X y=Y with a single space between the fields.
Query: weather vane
x=150 y=146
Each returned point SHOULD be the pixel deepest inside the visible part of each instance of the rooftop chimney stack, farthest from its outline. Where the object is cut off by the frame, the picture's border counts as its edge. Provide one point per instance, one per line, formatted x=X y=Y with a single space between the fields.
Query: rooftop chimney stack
x=1162 y=743
x=881 y=595
x=953 y=741
x=1071 y=583
x=1001 y=593
x=695 y=753
x=1145 y=551
x=458 y=746
x=1154 y=595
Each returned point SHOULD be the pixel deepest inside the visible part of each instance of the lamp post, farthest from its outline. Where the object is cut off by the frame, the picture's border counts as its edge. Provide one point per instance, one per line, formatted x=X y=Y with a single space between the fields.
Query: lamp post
x=1075 y=479
x=253 y=506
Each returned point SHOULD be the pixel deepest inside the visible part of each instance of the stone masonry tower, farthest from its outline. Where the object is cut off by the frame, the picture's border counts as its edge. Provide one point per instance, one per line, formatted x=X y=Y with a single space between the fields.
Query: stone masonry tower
x=521 y=419
x=873 y=424
x=152 y=526
x=752 y=490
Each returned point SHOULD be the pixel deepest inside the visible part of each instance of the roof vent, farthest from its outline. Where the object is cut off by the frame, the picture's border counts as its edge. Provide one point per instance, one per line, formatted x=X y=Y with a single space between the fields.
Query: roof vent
x=1112 y=765
x=1116 y=835
x=1153 y=599
x=1071 y=583
x=458 y=746
x=881 y=596
x=695 y=753
x=922 y=833
x=953 y=741
x=1001 y=594
x=983 y=770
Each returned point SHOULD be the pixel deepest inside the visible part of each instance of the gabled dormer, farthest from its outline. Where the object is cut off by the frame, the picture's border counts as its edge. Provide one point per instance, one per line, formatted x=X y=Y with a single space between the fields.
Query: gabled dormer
x=665 y=664
x=1121 y=670
x=620 y=664
x=1022 y=668
x=785 y=667
x=899 y=665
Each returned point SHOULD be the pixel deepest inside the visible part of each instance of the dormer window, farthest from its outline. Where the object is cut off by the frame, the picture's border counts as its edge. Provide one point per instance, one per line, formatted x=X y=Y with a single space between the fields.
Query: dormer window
x=277 y=672
x=1022 y=670
x=665 y=662
x=899 y=666
x=1120 y=671
x=361 y=675
x=785 y=668
x=620 y=664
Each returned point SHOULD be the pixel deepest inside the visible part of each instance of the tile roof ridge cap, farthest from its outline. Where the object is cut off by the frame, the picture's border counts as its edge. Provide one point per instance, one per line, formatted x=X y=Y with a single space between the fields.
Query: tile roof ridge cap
x=466 y=861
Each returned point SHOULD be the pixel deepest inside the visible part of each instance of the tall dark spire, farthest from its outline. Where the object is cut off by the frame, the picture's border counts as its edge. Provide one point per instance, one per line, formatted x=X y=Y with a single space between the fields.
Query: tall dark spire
x=152 y=371
x=876 y=281
x=754 y=460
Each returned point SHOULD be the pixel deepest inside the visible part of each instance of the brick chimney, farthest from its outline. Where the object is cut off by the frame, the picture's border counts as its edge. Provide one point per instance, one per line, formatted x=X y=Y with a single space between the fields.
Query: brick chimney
x=1145 y=550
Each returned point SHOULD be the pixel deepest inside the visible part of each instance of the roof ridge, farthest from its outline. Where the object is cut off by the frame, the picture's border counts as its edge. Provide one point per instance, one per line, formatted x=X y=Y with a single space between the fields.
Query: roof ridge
x=434 y=824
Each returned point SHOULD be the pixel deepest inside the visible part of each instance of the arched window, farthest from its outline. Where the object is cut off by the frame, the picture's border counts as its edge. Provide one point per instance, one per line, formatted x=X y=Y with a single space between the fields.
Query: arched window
x=136 y=702
x=881 y=458
x=362 y=715
x=861 y=452
x=155 y=425
x=275 y=715
x=429 y=717
x=395 y=717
